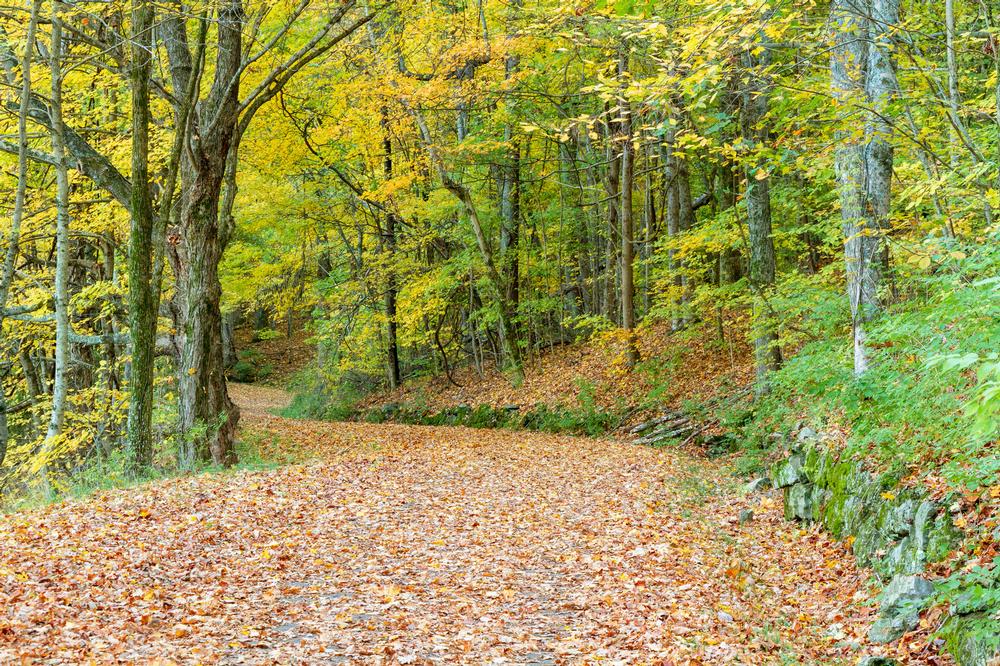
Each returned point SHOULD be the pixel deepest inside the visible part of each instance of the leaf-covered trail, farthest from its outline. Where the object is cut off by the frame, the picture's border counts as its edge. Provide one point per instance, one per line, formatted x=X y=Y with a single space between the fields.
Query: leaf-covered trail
x=428 y=545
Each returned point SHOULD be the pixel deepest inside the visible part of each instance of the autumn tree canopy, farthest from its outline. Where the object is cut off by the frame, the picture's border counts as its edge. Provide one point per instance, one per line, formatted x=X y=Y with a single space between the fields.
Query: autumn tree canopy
x=425 y=186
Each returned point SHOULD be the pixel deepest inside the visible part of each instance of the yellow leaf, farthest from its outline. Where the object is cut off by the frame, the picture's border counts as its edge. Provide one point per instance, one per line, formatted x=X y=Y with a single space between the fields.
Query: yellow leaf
x=390 y=592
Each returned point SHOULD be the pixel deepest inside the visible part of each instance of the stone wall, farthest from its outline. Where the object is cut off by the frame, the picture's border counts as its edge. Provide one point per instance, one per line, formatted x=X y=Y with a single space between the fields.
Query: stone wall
x=895 y=531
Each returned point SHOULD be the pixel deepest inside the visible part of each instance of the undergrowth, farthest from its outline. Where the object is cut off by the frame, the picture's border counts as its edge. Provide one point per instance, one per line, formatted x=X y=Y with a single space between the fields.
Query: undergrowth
x=927 y=410
x=109 y=471
x=587 y=419
x=929 y=403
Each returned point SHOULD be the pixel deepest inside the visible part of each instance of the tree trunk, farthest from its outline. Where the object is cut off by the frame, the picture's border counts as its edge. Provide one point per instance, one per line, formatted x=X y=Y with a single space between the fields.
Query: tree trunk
x=627 y=232
x=32 y=382
x=612 y=186
x=685 y=220
x=510 y=213
x=392 y=344
x=261 y=321
x=510 y=193
x=14 y=234
x=949 y=22
x=229 y=353
x=995 y=44
x=679 y=217
x=755 y=95
x=648 y=226
x=848 y=73
x=61 y=286
x=142 y=301
x=881 y=87
x=207 y=416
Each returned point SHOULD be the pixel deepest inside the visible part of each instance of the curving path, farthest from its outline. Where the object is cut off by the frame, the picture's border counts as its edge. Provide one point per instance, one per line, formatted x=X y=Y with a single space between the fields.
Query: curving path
x=414 y=545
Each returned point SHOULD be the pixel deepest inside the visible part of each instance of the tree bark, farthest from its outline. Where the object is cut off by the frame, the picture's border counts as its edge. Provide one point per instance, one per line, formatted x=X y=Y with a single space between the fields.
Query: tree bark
x=61 y=285
x=510 y=213
x=142 y=301
x=392 y=344
x=627 y=231
x=229 y=353
x=17 y=217
x=847 y=76
x=861 y=67
x=685 y=211
x=949 y=22
x=510 y=191
x=679 y=213
x=648 y=226
x=756 y=133
x=612 y=186
x=207 y=415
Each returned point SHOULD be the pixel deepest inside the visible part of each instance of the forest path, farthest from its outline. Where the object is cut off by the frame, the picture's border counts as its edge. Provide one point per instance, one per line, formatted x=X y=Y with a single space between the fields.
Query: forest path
x=420 y=545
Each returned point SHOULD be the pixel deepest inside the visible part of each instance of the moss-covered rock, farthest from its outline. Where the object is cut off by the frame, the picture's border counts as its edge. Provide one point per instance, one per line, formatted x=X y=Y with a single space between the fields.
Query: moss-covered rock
x=896 y=531
x=972 y=639
x=902 y=558
x=867 y=540
x=838 y=477
x=788 y=472
x=901 y=602
x=896 y=517
x=888 y=629
x=942 y=538
x=803 y=501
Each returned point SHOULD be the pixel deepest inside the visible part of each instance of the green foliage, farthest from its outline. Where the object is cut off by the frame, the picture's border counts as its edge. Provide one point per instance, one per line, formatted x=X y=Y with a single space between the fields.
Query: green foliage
x=250 y=367
x=929 y=400
x=312 y=398
x=587 y=419
x=974 y=595
x=267 y=334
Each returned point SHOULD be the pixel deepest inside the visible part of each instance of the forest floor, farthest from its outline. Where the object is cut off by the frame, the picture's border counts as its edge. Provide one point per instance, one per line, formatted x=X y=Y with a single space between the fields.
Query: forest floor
x=675 y=366
x=393 y=544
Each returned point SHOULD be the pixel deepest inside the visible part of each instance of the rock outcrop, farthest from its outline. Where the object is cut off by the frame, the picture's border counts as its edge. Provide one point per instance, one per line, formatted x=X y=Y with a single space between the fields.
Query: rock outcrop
x=895 y=531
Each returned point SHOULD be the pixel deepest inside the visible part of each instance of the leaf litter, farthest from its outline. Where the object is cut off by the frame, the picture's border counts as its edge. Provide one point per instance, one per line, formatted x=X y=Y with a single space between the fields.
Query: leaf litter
x=433 y=545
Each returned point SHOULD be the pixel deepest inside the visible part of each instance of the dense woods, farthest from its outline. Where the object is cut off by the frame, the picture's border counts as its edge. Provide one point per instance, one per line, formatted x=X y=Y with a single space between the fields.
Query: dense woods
x=755 y=218
x=425 y=186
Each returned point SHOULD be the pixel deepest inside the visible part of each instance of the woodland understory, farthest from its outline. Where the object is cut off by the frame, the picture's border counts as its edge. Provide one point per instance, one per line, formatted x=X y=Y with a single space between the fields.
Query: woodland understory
x=746 y=219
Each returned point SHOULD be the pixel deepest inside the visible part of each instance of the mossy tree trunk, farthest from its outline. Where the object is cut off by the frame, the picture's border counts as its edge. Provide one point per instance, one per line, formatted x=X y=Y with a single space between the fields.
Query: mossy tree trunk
x=756 y=133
